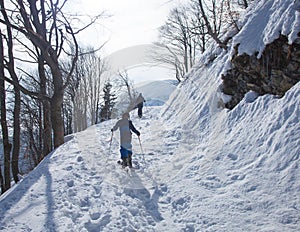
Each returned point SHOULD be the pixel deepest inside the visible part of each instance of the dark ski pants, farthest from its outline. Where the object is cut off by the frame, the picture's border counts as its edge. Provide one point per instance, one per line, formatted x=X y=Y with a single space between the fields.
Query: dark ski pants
x=126 y=156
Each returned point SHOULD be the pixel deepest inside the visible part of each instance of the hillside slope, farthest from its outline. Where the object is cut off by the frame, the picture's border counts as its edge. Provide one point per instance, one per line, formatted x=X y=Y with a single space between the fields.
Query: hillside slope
x=237 y=174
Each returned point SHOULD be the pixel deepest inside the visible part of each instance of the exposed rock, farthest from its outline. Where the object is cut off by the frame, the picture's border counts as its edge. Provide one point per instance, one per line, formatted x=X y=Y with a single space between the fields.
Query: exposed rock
x=275 y=72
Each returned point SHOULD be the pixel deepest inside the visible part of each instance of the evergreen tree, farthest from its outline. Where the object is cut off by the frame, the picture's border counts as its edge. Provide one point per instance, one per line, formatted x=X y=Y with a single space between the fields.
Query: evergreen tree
x=109 y=102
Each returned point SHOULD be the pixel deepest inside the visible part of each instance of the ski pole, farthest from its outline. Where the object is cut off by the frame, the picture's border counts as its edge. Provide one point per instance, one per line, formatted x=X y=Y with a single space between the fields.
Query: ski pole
x=142 y=149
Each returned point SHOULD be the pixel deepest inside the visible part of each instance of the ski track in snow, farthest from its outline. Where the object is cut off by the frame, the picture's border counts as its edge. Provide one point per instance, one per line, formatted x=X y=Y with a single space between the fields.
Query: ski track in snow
x=129 y=193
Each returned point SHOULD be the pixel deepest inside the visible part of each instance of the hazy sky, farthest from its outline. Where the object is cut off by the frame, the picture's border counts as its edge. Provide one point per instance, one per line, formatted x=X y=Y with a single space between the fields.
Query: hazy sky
x=132 y=22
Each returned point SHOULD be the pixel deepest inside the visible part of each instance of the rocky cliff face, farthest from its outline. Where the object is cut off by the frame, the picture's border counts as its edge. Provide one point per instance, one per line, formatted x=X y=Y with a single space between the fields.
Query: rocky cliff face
x=276 y=71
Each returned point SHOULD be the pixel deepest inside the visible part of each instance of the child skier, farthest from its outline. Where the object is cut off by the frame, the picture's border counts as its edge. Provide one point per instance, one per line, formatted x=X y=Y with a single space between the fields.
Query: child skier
x=126 y=126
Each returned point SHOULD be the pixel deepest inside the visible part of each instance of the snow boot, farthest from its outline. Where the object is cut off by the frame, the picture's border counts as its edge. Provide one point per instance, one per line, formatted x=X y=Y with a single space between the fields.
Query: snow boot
x=129 y=160
x=124 y=162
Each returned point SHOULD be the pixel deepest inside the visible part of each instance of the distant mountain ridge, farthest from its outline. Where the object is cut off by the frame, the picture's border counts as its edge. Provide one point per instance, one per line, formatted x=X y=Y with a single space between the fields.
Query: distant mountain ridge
x=157 y=93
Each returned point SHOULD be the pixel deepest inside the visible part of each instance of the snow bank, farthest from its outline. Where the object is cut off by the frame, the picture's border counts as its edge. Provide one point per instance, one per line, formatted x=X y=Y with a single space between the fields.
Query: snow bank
x=265 y=22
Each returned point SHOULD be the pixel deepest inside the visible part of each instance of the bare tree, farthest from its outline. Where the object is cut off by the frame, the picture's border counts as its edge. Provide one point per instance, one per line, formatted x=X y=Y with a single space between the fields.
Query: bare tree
x=31 y=115
x=46 y=125
x=177 y=37
x=5 y=185
x=198 y=28
x=215 y=17
x=232 y=15
x=124 y=81
x=171 y=57
x=10 y=66
x=80 y=106
x=35 y=35
x=94 y=76
x=44 y=24
x=87 y=95
x=125 y=91
x=211 y=12
x=68 y=113
x=233 y=10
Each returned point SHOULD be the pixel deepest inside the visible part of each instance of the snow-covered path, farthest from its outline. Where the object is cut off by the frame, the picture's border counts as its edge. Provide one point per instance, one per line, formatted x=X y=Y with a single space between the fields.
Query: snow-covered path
x=181 y=184
x=80 y=187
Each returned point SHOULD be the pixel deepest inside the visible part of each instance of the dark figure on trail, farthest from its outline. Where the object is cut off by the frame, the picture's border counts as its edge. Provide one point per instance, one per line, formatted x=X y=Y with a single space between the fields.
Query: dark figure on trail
x=126 y=126
x=140 y=103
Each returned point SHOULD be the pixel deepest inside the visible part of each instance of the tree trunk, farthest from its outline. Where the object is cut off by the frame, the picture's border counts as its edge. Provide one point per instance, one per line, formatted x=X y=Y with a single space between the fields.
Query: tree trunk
x=6 y=144
x=186 y=65
x=17 y=110
x=1 y=181
x=47 y=128
x=57 y=120
x=16 y=139
x=56 y=108
x=46 y=137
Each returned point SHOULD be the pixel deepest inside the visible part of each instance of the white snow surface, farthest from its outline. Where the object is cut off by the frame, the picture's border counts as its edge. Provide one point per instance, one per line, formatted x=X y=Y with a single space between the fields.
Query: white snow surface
x=201 y=167
x=265 y=22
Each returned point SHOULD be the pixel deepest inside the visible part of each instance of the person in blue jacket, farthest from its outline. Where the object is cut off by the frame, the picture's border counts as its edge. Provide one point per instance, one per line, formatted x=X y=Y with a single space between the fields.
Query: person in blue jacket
x=126 y=126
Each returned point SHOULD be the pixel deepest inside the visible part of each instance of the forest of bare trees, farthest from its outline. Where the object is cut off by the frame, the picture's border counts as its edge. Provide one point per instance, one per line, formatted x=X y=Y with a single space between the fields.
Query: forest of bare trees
x=51 y=86
x=39 y=54
x=190 y=28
